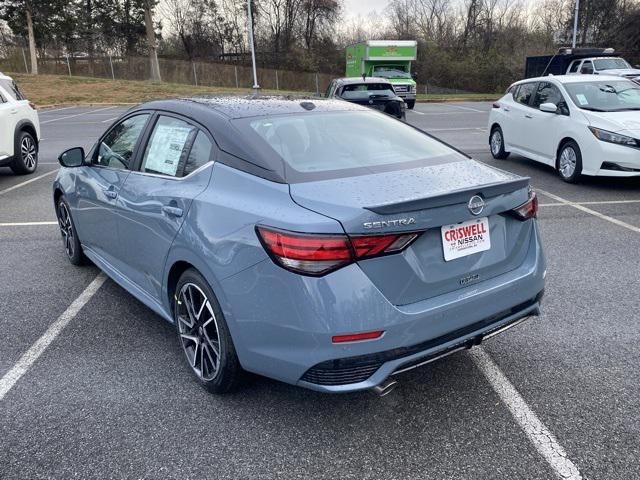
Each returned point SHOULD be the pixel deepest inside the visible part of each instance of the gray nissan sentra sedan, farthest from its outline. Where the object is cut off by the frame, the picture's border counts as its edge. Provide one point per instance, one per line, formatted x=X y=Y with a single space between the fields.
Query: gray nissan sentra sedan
x=312 y=241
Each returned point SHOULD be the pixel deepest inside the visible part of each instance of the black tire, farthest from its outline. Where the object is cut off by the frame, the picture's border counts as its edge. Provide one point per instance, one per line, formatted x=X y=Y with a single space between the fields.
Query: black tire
x=25 y=154
x=497 y=149
x=197 y=328
x=570 y=168
x=411 y=104
x=72 y=246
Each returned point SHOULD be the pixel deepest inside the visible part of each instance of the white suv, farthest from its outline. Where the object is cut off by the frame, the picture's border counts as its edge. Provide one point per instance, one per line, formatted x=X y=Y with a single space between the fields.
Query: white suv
x=19 y=129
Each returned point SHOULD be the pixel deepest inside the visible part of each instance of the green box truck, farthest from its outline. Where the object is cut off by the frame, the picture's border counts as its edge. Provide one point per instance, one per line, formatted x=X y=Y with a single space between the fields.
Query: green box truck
x=390 y=59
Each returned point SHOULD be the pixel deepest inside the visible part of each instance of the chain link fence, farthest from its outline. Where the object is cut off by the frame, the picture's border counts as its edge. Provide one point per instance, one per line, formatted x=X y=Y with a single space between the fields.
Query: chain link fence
x=200 y=73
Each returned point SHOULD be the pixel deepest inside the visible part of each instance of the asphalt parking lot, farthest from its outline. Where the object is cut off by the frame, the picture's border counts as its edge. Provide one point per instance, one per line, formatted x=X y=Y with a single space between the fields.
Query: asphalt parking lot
x=110 y=397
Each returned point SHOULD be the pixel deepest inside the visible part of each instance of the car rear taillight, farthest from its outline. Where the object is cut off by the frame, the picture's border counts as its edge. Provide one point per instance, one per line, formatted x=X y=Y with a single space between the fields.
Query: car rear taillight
x=529 y=209
x=357 y=337
x=318 y=254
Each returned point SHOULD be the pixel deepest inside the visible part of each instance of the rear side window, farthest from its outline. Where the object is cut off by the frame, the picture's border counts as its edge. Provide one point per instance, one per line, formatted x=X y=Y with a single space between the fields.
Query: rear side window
x=168 y=147
x=574 y=66
x=525 y=92
x=12 y=89
x=199 y=155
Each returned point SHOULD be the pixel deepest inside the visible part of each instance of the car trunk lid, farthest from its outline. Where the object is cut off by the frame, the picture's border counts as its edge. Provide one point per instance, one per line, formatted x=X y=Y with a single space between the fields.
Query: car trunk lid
x=426 y=199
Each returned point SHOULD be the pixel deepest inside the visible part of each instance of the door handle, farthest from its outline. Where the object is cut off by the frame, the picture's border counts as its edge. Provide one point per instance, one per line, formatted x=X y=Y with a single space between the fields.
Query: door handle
x=506 y=109
x=112 y=194
x=528 y=115
x=173 y=211
x=14 y=111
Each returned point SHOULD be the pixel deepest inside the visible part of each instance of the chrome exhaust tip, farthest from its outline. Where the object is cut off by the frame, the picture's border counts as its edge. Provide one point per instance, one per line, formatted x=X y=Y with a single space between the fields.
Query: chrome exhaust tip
x=385 y=388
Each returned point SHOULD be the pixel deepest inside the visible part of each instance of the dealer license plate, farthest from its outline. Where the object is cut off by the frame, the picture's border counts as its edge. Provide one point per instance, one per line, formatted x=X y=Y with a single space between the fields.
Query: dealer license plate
x=465 y=238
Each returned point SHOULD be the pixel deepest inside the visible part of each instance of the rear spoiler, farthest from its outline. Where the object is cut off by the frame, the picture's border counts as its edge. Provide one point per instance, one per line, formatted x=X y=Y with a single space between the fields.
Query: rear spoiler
x=452 y=198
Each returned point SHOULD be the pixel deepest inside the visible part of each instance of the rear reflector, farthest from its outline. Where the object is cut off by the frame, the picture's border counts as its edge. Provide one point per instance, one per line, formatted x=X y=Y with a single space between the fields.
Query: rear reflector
x=318 y=254
x=356 y=337
x=529 y=209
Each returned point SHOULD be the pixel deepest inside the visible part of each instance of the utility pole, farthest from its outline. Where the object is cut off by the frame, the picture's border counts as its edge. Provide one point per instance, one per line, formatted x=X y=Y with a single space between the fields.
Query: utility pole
x=32 y=39
x=256 y=87
x=575 y=24
x=151 y=41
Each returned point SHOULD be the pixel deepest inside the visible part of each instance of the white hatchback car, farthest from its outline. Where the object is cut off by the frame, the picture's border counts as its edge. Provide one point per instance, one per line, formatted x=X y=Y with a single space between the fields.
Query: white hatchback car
x=19 y=129
x=579 y=124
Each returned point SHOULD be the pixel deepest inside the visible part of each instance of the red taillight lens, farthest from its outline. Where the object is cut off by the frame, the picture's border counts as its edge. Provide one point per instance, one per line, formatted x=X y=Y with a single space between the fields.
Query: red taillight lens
x=319 y=254
x=529 y=209
x=356 y=337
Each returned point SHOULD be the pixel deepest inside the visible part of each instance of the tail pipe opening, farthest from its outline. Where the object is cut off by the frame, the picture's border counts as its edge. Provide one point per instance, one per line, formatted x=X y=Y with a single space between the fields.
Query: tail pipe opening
x=385 y=388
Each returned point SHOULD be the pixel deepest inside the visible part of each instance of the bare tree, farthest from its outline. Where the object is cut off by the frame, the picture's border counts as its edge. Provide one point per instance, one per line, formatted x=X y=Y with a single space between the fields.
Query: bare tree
x=151 y=41
x=32 y=38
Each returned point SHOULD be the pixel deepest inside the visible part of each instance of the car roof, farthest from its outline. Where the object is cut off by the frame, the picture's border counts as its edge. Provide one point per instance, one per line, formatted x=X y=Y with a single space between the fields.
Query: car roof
x=219 y=115
x=5 y=77
x=576 y=78
x=234 y=107
x=356 y=80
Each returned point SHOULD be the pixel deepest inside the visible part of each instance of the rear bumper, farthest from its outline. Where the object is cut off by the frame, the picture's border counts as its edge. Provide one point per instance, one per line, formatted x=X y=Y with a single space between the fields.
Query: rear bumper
x=284 y=331
x=367 y=371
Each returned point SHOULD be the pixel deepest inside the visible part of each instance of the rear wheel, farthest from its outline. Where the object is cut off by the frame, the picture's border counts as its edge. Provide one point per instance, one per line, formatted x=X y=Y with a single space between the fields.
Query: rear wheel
x=204 y=335
x=496 y=142
x=569 y=162
x=25 y=159
x=411 y=104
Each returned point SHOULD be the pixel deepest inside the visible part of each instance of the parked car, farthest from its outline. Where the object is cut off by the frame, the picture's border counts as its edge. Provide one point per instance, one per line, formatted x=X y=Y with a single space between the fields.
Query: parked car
x=373 y=92
x=315 y=242
x=580 y=125
x=19 y=129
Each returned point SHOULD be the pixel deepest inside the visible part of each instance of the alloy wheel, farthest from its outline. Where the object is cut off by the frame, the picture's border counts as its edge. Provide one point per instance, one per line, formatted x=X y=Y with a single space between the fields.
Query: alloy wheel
x=66 y=229
x=496 y=142
x=198 y=330
x=28 y=152
x=568 y=162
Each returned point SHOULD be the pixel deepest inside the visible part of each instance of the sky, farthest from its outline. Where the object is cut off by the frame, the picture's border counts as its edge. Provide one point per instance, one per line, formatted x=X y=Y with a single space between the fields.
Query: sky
x=363 y=7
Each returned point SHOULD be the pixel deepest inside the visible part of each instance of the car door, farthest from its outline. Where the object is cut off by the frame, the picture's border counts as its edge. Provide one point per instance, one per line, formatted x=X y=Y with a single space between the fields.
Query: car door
x=98 y=184
x=506 y=112
x=545 y=128
x=154 y=200
x=7 y=127
x=520 y=113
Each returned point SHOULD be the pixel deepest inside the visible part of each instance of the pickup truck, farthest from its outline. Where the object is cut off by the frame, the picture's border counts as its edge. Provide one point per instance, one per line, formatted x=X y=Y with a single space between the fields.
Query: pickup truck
x=581 y=61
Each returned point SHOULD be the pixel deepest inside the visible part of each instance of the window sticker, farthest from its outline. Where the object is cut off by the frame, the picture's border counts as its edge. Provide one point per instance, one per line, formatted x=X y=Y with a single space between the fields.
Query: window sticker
x=166 y=149
x=582 y=100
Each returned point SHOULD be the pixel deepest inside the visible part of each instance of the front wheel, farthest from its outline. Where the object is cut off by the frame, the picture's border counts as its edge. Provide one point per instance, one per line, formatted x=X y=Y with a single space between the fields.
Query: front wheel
x=496 y=143
x=204 y=335
x=411 y=104
x=25 y=154
x=72 y=246
x=569 y=162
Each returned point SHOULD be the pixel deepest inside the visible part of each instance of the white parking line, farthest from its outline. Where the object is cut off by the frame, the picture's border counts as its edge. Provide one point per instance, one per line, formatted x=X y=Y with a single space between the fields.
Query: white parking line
x=77 y=114
x=603 y=202
x=26 y=224
x=109 y=120
x=466 y=108
x=30 y=356
x=539 y=435
x=459 y=129
x=42 y=112
x=590 y=212
x=416 y=112
x=34 y=179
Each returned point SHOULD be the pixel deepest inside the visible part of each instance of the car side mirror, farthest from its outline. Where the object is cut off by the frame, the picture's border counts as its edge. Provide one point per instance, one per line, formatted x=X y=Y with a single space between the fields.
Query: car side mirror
x=74 y=157
x=549 y=108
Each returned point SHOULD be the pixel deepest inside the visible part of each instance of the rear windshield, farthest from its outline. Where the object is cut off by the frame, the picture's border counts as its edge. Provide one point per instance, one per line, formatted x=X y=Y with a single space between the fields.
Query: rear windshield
x=605 y=96
x=11 y=88
x=338 y=144
x=366 y=91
